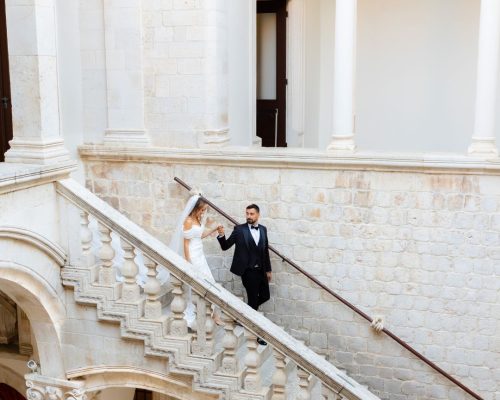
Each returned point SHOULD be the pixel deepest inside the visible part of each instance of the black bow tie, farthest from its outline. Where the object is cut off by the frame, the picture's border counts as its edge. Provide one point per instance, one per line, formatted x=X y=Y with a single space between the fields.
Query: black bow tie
x=255 y=227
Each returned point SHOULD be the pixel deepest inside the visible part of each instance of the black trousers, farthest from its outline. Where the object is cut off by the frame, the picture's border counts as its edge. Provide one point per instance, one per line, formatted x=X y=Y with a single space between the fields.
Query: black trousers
x=257 y=287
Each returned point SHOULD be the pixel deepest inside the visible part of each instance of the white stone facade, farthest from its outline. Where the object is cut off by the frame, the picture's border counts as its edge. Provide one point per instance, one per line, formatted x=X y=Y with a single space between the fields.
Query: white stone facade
x=198 y=77
x=389 y=195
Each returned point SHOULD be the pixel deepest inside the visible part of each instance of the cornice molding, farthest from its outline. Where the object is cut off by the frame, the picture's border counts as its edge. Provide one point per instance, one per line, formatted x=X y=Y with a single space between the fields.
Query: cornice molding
x=21 y=176
x=297 y=159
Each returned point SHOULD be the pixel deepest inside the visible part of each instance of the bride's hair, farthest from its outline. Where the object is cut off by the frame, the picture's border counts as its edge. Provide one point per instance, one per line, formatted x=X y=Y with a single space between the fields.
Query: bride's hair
x=197 y=206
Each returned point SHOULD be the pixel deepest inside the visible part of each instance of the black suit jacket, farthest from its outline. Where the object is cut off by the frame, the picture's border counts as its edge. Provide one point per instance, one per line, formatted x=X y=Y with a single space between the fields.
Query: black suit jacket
x=245 y=244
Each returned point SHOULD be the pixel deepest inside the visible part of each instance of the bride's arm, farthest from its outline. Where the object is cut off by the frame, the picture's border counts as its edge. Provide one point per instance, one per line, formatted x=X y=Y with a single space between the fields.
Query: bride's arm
x=188 y=224
x=208 y=232
x=208 y=222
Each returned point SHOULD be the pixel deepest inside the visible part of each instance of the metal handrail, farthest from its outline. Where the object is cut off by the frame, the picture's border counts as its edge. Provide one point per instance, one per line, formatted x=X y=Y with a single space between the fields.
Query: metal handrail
x=347 y=303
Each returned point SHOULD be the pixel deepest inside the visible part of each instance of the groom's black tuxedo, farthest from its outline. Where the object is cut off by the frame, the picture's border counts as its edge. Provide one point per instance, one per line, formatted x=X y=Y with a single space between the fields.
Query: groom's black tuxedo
x=248 y=255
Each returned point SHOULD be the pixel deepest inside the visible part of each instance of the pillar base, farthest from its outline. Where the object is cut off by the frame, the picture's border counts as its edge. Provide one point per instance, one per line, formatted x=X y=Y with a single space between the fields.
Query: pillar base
x=257 y=141
x=42 y=152
x=343 y=144
x=126 y=138
x=483 y=147
x=213 y=138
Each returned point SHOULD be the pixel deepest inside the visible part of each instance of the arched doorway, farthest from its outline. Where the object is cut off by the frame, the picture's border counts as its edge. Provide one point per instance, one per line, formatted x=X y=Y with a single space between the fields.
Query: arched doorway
x=43 y=308
x=9 y=393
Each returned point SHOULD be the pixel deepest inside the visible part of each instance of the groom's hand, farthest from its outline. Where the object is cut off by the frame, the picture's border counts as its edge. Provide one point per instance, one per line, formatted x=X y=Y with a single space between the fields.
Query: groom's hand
x=220 y=230
x=269 y=276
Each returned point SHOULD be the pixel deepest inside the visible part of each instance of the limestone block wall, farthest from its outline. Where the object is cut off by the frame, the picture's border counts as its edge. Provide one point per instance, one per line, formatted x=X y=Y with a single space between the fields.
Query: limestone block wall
x=88 y=344
x=184 y=68
x=420 y=249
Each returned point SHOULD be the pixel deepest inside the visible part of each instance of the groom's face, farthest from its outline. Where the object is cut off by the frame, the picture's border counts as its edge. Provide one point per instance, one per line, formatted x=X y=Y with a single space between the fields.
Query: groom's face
x=252 y=216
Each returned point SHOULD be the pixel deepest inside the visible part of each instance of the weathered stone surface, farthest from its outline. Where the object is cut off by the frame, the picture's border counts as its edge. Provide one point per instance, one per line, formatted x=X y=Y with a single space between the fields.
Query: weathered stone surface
x=417 y=250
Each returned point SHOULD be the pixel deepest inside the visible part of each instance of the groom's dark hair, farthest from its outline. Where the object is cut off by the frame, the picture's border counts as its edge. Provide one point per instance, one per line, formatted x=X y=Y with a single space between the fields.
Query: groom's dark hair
x=254 y=206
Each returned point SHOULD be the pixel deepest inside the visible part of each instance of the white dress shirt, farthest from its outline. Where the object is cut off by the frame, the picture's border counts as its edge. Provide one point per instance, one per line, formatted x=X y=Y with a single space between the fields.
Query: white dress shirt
x=255 y=233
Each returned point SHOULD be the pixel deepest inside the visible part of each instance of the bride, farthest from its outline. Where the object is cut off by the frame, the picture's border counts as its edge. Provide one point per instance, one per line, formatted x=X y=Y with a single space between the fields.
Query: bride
x=187 y=242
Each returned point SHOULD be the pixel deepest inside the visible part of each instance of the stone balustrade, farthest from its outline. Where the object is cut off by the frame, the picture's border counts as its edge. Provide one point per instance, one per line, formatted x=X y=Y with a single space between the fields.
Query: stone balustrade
x=226 y=359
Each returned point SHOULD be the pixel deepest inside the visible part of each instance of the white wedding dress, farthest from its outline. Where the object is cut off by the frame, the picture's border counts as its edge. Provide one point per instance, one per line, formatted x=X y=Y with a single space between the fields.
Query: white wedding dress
x=197 y=256
x=196 y=252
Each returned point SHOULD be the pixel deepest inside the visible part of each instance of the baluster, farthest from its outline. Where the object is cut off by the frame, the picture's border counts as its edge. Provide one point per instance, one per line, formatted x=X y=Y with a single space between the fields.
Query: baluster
x=131 y=291
x=198 y=325
x=279 y=377
x=252 y=381
x=203 y=328
x=178 y=327
x=88 y=259
x=106 y=255
x=304 y=386
x=328 y=394
x=209 y=330
x=152 y=309
x=229 y=364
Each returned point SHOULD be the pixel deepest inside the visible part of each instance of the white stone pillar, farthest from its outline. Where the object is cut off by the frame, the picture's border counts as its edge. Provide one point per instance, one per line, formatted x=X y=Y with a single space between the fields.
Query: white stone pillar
x=215 y=132
x=31 y=32
x=344 y=76
x=296 y=73
x=124 y=73
x=256 y=140
x=483 y=138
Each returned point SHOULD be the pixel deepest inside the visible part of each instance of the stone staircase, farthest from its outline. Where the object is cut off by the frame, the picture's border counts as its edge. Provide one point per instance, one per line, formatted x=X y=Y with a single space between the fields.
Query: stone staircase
x=221 y=362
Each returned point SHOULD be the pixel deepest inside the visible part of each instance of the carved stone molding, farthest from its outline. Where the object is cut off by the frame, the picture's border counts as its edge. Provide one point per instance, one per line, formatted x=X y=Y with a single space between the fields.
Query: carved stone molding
x=46 y=388
x=307 y=159
x=53 y=250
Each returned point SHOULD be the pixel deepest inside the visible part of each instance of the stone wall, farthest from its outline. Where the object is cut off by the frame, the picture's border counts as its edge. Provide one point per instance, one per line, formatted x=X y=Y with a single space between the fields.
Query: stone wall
x=420 y=249
x=184 y=62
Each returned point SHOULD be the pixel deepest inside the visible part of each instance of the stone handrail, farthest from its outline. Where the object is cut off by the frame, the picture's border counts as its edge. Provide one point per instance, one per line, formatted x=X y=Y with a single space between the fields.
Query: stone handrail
x=251 y=320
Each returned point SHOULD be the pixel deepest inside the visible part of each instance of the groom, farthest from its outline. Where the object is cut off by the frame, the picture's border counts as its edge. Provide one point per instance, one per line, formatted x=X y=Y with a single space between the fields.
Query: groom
x=251 y=257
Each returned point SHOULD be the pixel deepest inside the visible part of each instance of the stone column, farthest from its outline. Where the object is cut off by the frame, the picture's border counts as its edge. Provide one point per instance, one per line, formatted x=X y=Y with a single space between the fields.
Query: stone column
x=256 y=140
x=483 y=138
x=31 y=28
x=124 y=73
x=344 y=76
x=296 y=73
x=215 y=132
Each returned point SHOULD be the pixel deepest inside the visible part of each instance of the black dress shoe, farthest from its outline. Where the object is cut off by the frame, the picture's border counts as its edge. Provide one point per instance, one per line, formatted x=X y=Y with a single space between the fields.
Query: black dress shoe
x=261 y=342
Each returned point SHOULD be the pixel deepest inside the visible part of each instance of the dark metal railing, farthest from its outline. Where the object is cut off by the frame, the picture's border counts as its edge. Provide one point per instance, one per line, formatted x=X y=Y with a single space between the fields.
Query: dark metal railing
x=347 y=303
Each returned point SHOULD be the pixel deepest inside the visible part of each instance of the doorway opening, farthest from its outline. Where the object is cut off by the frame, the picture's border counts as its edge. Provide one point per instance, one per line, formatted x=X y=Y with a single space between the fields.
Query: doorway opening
x=271 y=72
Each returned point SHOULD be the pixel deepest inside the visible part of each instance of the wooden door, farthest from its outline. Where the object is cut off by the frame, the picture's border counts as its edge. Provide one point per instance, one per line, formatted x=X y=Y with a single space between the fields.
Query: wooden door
x=271 y=72
x=5 y=103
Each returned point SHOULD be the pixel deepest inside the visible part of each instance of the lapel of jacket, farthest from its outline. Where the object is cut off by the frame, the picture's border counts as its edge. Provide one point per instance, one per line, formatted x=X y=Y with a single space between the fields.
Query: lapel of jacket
x=247 y=235
x=261 y=237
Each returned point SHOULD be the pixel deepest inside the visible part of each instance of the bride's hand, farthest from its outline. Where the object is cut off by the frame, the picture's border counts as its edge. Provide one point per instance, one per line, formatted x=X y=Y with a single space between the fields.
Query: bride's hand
x=209 y=222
